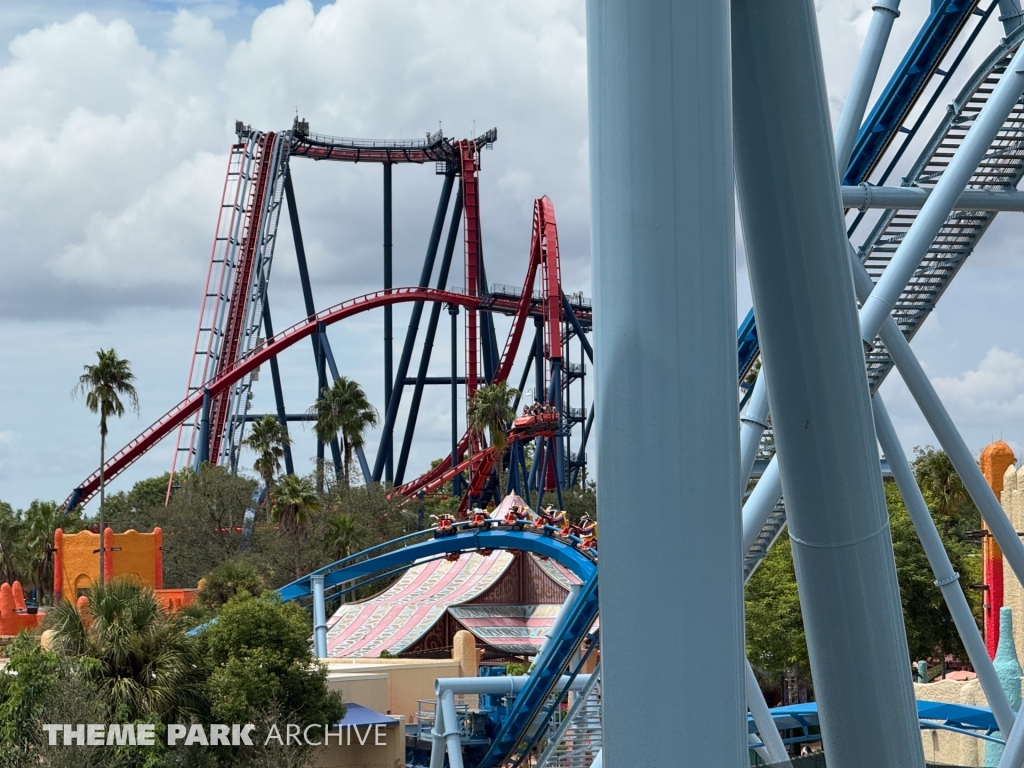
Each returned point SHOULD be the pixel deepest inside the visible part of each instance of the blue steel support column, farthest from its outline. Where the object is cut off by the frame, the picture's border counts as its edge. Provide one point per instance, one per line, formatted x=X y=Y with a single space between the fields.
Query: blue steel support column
x=488 y=338
x=203 y=451
x=389 y=472
x=453 y=310
x=428 y=340
x=275 y=375
x=319 y=616
x=663 y=236
x=321 y=385
x=386 y=450
x=814 y=366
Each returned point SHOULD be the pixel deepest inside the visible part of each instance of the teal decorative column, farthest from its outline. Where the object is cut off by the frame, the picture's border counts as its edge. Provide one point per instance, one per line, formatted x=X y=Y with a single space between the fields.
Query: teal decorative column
x=1010 y=672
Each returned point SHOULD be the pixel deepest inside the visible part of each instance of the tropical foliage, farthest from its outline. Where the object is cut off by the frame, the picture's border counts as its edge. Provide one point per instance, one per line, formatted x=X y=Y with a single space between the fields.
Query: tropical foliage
x=121 y=659
x=103 y=385
x=776 y=644
x=268 y=437
x=294 y=502
x=26 y=544
x=343 y=410
x=139 y=656
x=490 y=410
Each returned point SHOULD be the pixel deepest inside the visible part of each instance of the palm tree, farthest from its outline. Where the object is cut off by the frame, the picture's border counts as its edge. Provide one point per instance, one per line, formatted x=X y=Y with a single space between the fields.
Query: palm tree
x=294 y=501
x=942 y=486
x=141 y=658
x=42 y=518
x=346 y=536
x=103 y=385
x=343 y=409
x=267 y=438
x=490 y=409
x=13 y=533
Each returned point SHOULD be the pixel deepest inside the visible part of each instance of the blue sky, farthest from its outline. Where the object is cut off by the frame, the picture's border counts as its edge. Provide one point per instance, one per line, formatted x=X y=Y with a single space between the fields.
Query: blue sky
x=113 y=141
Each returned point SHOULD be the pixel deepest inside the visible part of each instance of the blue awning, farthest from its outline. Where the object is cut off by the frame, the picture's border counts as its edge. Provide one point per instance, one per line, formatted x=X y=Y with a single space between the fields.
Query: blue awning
x=357 y=714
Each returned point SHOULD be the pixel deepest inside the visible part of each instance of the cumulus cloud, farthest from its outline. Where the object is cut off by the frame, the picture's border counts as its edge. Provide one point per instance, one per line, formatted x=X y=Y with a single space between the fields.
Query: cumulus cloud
x=114 y=152
x=114 y=138
x=992 y=394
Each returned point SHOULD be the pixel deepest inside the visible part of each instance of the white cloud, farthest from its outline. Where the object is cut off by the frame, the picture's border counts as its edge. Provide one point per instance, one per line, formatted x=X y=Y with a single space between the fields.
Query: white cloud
x=114 y=137
x=992 y=394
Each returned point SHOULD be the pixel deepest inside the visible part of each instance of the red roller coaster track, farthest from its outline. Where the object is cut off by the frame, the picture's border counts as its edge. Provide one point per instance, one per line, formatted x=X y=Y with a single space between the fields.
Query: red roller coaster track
x=543 y=251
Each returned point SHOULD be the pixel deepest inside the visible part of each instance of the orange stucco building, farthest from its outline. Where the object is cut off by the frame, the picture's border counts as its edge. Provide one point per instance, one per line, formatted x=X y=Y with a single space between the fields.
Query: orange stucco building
x=14 y=615
x=76 y=563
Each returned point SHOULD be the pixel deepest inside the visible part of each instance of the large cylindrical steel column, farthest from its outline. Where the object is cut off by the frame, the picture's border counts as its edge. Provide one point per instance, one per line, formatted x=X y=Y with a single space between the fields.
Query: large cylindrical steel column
x=664 y=296
x=817 y=389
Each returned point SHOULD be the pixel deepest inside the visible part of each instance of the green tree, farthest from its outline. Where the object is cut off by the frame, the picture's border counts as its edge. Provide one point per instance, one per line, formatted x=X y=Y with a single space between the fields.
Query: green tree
x=37 y=687
x=12 y=537
x=775 y=629
x=268 y=438
x=199 y=525
x=944 y=490
x=103 y=385
x=294 y=502
x=490 y=410
x=42 y=518
x=261 y=658
x=343 y=409
x=140 y=658
x=346 y=536
x=230 y=578
x=775 y=634
x=930 y=630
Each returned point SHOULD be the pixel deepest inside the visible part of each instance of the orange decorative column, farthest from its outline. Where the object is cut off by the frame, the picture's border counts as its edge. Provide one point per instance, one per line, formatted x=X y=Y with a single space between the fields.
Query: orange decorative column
x=58 y=565
x=994 y=461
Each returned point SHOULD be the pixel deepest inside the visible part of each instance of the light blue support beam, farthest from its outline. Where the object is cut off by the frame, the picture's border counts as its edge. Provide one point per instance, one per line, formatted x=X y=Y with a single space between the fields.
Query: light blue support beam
x=946 y=579
x=319 y=616
x=663 y=236
x=752 y=425
x=452 y=730
x=766 y=728
x=943 y=198
x=1009 y=15
x=821 y=411
x=885 y=12
x=761 y=502
x=865 y=196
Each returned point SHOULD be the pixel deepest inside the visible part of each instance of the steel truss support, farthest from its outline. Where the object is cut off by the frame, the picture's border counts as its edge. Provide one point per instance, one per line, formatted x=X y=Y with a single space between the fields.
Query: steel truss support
x=275 y=375
x=885 y=12
x=322 y=354
x=796 y=256
x=428 y=342
x=946 y=579
x=943 y=198
x=663 y=235
x=865 y=196
x=453 y=311
x=388 y=437
x=385 y=452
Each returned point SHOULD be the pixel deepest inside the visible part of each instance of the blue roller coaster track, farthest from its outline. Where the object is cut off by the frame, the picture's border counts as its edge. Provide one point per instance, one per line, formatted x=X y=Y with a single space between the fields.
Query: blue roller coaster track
x=886 y=120
x=387 y=559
